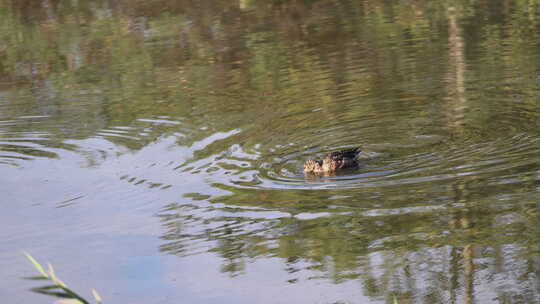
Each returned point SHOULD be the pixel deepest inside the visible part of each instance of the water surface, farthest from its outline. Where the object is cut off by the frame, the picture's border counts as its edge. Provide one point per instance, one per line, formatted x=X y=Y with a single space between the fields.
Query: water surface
x=153 y=150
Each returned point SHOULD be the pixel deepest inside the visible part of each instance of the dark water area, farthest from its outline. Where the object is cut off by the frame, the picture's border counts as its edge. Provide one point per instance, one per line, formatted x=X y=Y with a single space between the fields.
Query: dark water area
x=153 y=150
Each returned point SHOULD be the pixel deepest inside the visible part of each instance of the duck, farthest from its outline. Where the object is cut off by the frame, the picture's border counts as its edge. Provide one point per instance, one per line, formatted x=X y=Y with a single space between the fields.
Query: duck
x=333 y=161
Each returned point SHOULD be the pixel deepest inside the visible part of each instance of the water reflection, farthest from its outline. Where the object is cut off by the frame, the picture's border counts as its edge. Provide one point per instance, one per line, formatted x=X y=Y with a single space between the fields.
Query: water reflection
x=406 y=250
x=204 y=113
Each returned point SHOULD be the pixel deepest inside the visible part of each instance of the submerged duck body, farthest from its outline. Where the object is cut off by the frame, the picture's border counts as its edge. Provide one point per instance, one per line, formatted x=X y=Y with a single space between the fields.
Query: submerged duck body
x=333 y=161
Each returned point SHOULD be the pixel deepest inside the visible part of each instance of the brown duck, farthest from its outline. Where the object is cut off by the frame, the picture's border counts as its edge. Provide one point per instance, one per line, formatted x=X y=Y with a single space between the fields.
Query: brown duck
x=333 y=161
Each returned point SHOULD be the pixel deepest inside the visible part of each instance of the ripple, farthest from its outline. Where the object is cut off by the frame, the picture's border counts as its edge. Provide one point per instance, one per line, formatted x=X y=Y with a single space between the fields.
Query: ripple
x=280 y=167
x=18 y=145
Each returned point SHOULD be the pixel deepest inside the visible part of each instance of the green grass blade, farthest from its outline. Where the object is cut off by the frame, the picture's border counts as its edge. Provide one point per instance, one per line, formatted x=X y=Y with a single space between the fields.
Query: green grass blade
x=59 y=289
x=36 y=278
x=73 y=295
x=46 y=287
x=36 y=264
x=96 y=296
x=68 y=301
x=52 y=290
x=54 y=278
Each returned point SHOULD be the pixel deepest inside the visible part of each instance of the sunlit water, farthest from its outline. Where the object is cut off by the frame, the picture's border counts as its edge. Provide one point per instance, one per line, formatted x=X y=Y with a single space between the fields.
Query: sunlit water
x=153 y=150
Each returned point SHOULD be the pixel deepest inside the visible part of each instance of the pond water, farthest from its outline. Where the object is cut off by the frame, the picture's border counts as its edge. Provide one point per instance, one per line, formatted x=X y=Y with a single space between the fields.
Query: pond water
x=153 y=150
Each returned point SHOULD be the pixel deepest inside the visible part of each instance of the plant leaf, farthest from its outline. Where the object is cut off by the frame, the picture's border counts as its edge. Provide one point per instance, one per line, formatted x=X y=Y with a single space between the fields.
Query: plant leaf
x=36 y=264
x=54 y=278
x=68 y=301
x=52 y=291
x=36 y=278
x=47 y=287
x=96 y=296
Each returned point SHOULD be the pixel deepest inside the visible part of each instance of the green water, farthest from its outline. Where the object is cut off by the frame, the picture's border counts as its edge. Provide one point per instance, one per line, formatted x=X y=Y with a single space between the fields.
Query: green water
x=153 y=150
